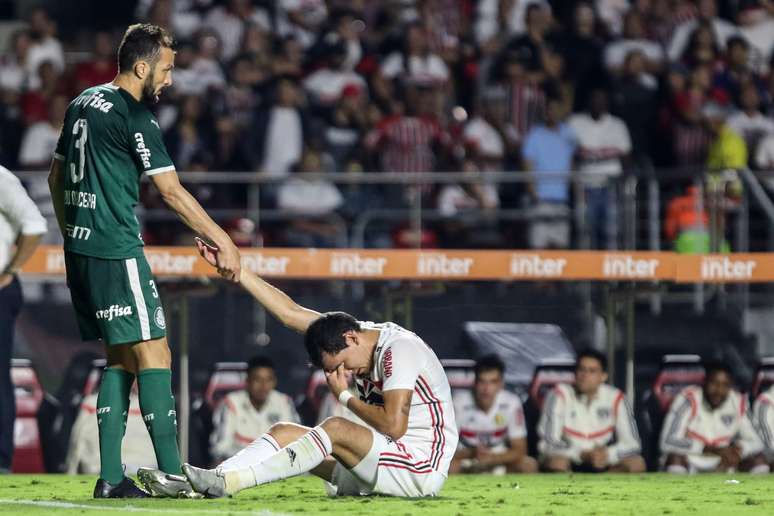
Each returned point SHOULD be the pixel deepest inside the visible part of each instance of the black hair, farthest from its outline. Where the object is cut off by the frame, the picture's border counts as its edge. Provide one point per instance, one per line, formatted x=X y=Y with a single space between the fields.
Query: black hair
x=489 y=363
x=142 y=41
x=592 y=353
x=259 y=361
x=712 y=367
x=327 y=334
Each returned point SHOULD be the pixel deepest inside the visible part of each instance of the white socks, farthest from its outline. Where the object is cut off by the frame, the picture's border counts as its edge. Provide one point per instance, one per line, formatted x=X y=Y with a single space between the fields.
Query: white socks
x=255 y=452
x=677 y=469
x=296 y=458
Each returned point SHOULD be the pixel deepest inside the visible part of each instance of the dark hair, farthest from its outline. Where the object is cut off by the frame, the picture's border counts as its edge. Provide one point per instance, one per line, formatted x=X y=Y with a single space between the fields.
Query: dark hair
x=327 y=334
x=712 y=367
x=259 y=361
x=489 y=363
x=142 y=41
x=594 y=354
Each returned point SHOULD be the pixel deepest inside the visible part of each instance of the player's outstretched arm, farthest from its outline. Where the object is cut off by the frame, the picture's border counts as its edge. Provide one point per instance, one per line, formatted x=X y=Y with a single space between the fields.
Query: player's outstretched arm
x=56 y=187
x=290 y=313
x=193 y=215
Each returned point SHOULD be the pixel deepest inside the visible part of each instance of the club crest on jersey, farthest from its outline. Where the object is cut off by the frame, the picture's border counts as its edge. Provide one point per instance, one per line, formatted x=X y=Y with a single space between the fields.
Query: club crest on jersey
x=158 y=318
x=603 y=413
x=727 y=419
x=370 y=392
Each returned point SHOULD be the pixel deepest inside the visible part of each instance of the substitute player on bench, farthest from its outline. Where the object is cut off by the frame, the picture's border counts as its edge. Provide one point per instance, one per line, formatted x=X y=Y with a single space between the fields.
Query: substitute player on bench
x=493 y=436
x=404 y=396
x=109 y=139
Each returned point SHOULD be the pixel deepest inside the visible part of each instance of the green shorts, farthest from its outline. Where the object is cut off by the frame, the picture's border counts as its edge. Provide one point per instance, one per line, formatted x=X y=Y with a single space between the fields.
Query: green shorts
x=115 y=301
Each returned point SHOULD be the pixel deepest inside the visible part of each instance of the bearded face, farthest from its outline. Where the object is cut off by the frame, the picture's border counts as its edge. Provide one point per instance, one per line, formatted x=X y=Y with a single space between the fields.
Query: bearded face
x=150 y=91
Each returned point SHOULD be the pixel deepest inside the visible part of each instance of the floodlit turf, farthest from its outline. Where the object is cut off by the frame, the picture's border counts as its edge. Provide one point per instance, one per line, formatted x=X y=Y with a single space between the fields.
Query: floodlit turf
x=465 y=496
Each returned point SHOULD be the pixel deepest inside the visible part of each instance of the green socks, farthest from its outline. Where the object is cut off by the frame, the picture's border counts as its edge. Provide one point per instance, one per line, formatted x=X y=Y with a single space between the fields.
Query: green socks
x=112 y=410
x=158 y=410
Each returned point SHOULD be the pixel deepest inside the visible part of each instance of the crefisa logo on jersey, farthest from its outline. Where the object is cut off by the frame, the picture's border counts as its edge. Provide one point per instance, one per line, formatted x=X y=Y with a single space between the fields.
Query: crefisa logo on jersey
x=142 y=151
x=114 y=311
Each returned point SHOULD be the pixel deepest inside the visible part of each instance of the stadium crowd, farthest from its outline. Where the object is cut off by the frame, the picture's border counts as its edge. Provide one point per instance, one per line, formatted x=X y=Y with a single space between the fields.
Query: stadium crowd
x=602 y=87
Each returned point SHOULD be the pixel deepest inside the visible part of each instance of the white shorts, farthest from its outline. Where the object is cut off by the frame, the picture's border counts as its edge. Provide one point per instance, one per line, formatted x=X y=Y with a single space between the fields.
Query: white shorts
x=390 y=468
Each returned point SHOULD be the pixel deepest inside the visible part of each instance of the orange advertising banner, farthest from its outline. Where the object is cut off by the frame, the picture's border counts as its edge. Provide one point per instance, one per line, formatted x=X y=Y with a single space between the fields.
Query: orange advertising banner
x=385 y=264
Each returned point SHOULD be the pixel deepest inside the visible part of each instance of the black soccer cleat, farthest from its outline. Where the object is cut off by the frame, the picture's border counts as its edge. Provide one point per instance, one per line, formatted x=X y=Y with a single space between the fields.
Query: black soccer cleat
x=124 y=489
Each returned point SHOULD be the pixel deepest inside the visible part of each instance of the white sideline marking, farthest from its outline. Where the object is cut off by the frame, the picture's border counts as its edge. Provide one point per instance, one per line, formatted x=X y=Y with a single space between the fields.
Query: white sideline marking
x=129 y=508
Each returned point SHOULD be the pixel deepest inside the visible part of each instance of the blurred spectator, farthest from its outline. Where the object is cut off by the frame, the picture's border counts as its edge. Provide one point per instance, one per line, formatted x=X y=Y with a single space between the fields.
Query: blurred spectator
x=349 y=120
x=40 y=138
x=493 y=433
x=495 y=18
x=345 y=28
x=530 y=47
x=686 y=223
x=727 y=149
x=11 y=128
x=634 y=39
x=310 y=201
x=327 y=84
x=239 y=99
x=244 y=415
x=83 y=453
x=589 y=426
x=708 y=429
x=205 y=64
x=191 y=134
x=525 y=98
x=707 y=14
x=301 y=19
x=14 y=68
x=612 y=13
x=603 y=145
x=278 y=132
x=35 y=103
x=634 y=101
x=45 y=47
x=703 y=47
x=690 y=138
x=229 y=21
x=548 y=151
x=101 y=68
x=187 y=80
x=736 y=74
x=749 y=123
x=764 y=156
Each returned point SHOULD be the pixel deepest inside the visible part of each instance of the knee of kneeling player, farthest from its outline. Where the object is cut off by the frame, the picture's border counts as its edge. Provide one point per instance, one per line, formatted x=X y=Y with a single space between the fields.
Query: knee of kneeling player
x=335 y=426
x=634 y=464
x=556 y=464
x=674 y=459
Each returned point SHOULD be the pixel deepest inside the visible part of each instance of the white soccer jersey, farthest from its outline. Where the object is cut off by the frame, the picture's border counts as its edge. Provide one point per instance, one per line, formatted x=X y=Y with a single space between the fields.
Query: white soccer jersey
x=237 y=423
x=493 y=429
x=402 y=360
x=571 y=424
x=691 y=425
x=763 y=416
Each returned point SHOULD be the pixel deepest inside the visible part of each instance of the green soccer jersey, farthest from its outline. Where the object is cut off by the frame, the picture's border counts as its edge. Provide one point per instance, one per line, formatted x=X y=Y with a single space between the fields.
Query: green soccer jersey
x=108 y=141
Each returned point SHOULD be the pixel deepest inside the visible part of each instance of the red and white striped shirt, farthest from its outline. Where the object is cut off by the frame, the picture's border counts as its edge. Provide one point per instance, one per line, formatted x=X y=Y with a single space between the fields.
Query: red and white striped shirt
x=494 y=428
x=406 y=143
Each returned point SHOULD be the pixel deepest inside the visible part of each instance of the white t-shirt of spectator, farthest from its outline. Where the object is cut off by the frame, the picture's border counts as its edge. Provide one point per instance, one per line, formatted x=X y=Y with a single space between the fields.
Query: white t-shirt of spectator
x=38 y=144
x=427 y=68
x=764 y=156
x=13 y=76
x=237 y=423
x=612 y=12
x=49 y=49
x=601 y=144
x=616 y=52
x=305 y=197
x=230 y=28
x=492 y=429
x=314 y=13
x=485 y=138
x=208 y=73
x=487 y=24
x=682 y=35
x=18 y=215
x=453 y=199
x=284 y=141
x=761 y=39
x=326 y=85
x=752 y=128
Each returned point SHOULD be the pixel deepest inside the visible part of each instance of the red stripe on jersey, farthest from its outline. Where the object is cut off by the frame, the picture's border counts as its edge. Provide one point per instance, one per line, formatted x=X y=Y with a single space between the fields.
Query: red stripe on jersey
x=442 y=423
x=400 y=466
x=593 y=435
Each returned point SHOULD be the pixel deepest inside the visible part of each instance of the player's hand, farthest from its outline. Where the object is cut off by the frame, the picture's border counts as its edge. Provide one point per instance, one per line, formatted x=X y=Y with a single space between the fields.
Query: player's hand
x=5 y=280
x=337 y=381
x=208 y=252
x=226 y=260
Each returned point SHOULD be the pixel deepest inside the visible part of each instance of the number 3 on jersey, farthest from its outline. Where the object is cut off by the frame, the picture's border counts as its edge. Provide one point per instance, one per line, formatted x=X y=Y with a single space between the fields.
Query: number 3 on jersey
x=81 y=133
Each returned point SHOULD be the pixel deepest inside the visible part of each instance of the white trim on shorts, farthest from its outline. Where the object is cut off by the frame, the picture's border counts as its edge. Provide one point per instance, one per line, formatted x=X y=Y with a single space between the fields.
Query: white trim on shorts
x=139 y=298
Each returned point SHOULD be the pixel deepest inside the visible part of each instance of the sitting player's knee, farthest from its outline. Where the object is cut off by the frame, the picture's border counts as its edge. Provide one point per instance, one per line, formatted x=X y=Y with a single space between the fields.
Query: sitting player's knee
x=676 y=460
x=335 y=425
x=525 y=464
x=635 y=464
x=556 y=464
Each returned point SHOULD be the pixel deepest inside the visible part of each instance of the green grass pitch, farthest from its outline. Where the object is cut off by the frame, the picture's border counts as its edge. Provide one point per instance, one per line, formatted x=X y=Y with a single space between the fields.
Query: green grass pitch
x=575 y=495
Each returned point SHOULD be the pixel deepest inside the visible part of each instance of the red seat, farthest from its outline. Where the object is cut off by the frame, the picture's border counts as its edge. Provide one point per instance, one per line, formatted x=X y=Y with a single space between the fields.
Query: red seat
x=764 y=377
x=226 y=377
x=677 y=372
x=547 y=375
x=28 y=454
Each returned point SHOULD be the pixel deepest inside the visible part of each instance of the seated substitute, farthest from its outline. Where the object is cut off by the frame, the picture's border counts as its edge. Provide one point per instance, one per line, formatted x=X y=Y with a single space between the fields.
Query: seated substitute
x=245 y=415
x=403 y=396
x=490 y=420
x=708 y=428
x=589 y=426
x=763 y=419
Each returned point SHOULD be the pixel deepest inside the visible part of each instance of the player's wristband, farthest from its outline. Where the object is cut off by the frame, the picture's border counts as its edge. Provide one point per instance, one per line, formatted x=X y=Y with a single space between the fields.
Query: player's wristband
x=344 y=397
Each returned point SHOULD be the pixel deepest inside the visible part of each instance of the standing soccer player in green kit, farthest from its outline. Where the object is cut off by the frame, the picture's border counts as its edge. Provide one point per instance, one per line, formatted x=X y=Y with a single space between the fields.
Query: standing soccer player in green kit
x=109 y=139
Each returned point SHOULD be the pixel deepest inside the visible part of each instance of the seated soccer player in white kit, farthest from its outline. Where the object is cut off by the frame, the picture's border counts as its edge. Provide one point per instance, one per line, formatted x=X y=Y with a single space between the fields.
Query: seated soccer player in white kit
x=246 y=414
x=589 y=426
x=490 y=420
x=404 y=396
x=708 y=428
x=763 y=419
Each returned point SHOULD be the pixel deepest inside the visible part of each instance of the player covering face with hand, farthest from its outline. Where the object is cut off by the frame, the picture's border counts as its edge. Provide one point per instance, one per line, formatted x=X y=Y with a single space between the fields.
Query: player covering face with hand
x=404 y=397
